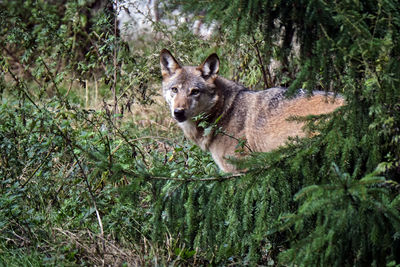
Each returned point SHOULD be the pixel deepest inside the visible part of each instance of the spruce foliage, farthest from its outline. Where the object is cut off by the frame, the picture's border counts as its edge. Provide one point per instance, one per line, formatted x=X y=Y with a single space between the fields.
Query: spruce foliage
x=356 y=222
x=347 y=215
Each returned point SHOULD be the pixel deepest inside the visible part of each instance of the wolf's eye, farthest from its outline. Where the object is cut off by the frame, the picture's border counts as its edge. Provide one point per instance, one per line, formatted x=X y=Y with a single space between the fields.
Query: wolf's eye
x=174 y=90
x=195 y=92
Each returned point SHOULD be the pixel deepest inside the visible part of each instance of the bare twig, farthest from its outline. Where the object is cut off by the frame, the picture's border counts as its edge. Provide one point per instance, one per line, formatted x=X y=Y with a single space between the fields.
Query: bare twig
x=133 y=146
x=90 y=194
x=70 y=86
x=140 y=138
x=21 y=66
x=52 y=78
x=40 y=165
x=114 y=86
x=206 y=179
x=266 y=82
x=237 y=139
x=86 y=179
x=21 y=85
x=96 y=89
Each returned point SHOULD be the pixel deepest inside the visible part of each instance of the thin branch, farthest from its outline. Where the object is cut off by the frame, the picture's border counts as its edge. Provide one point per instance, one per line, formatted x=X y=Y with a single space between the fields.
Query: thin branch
x=115 y=63
x=20 y=85
x=235 y=138
x=40 y=165
x=27 y=71
x=133 y=146
x=86 y=179
x=266 y=83
x=70 y=86
x=52 y=79
x=91 y=196
x=190 y=179
x=138 y=139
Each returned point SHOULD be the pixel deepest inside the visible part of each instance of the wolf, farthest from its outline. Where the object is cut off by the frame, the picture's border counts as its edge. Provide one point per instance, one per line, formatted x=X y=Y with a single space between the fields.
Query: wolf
x=241 y=120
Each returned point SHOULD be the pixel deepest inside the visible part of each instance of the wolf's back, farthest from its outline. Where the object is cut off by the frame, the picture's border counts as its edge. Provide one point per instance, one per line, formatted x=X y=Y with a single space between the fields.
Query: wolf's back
x=262 y=117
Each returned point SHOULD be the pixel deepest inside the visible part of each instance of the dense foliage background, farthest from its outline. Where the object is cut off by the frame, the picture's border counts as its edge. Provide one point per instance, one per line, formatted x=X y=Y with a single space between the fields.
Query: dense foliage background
x=94 y=172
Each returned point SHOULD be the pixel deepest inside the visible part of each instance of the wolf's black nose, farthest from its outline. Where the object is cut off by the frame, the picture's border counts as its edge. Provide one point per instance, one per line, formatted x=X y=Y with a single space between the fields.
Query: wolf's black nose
x=179 y=114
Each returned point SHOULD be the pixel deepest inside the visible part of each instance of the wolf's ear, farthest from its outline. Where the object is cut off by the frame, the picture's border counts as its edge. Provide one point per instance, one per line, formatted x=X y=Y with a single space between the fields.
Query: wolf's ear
x=169 y=65
x=210 y=66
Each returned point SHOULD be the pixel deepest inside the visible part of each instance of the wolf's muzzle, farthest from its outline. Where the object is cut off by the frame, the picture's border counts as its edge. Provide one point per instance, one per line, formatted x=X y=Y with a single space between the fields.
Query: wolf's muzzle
x=179 y=114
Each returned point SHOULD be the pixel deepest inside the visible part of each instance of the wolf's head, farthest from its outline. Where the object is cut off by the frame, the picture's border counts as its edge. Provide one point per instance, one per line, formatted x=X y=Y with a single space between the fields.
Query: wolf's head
x=189 y=90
